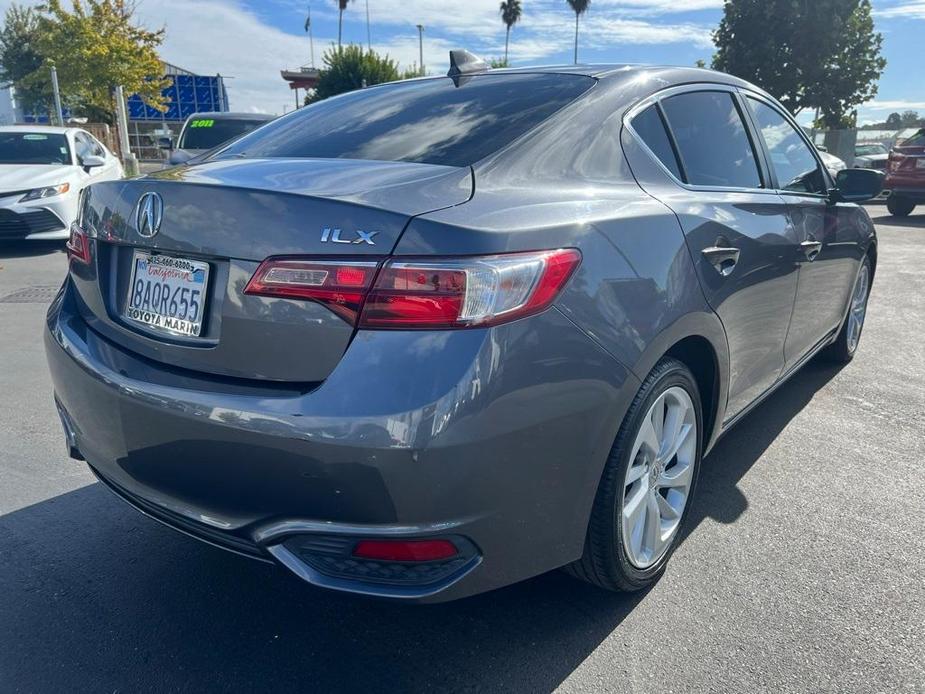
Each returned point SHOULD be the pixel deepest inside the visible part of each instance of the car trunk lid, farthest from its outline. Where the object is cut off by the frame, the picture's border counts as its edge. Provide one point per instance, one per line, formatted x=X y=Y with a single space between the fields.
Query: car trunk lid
x=230 y=216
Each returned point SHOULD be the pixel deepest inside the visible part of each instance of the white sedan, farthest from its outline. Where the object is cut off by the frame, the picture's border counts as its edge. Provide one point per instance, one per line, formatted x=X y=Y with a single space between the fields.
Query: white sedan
x=42 y=171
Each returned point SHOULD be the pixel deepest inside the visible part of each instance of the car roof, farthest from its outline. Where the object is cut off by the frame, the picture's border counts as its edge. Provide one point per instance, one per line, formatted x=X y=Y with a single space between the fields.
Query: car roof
x=48 y=129
x=640 y=75
x=231 y=115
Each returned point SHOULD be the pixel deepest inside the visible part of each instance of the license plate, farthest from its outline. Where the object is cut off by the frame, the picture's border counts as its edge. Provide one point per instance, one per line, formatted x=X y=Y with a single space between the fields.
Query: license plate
x=920 y=163
x=167 y=293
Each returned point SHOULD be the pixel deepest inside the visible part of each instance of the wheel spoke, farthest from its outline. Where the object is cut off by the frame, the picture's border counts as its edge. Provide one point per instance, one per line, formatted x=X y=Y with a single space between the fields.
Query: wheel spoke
x=634 y=520
x=635 y=472
x=666 y=510
x=653 y=530
x=679 y=476
x=657 y=419
x=682 y=436
x=649 y=437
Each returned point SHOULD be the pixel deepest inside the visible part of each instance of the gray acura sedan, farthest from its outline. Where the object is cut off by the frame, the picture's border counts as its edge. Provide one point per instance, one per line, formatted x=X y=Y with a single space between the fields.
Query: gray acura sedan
x=434 y=337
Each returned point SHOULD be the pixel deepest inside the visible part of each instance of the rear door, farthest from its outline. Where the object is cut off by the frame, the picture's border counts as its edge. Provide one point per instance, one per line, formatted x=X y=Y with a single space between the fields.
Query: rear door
x=830 y=243
x=737 y=228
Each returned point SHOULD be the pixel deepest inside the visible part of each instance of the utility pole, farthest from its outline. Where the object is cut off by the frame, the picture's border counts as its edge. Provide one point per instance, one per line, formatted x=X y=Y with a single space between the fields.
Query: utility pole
x=421 y=47
x=369 y=35
x=59 y=114
x=128 y=159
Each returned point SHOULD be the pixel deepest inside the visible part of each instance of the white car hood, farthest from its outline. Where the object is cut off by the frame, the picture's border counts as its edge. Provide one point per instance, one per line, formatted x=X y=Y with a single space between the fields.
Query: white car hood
x=16 y=177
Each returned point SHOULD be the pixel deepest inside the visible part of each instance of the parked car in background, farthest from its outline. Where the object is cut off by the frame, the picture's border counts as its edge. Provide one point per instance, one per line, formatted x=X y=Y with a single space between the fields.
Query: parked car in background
x=204 y=131
x=42 y=172
x=871 y=156
x=905 y=178
x=436 y=336
x=832 y=163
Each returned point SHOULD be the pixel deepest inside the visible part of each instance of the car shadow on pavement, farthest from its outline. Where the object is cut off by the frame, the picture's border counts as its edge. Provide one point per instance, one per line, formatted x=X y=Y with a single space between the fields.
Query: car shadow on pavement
x=915 y=221
x=95 y=597
x=29 y=249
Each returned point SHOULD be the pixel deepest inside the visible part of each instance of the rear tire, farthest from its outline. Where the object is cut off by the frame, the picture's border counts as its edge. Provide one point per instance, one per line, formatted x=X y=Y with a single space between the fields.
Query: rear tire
x=619 y=559
x=899 y=207
x=846 y=344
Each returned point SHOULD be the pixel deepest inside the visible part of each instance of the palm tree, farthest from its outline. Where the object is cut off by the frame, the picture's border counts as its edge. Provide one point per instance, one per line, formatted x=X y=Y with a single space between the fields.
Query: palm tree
x=510 y=14
x=579 y=7
x=342 y=5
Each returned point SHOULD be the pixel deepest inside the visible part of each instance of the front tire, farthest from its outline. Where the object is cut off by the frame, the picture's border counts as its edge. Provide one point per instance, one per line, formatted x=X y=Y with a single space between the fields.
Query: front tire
x=899 y=207
x=649 y=479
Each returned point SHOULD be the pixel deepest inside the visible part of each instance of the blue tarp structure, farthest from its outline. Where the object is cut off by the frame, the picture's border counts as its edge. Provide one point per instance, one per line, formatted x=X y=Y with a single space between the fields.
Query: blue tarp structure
x=186 y=95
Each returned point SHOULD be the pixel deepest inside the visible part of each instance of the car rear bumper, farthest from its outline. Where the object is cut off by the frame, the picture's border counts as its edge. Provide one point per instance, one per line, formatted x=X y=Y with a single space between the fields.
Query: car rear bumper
x=914 y=193
x=489 y=438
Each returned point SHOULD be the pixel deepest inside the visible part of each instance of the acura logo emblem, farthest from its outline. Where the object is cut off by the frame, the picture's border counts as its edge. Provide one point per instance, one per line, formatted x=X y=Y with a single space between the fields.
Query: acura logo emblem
x=148 y=215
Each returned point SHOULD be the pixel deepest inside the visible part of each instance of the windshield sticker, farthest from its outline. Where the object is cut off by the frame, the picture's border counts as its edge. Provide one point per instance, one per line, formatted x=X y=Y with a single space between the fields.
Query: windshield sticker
x=204 y=123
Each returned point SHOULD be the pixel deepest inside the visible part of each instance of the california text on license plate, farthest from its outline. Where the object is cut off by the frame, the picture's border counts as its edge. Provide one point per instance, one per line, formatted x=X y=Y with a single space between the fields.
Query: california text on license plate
x=167 y=293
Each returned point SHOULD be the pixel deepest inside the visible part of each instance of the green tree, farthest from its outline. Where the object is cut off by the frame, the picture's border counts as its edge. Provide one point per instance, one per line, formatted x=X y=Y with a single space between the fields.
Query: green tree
x=909 y=119
x=822 y=54
x=511 y=11
x=341 y=6
x=21 y=61
x=579 y=7
x=352 y=67
x=894 y=120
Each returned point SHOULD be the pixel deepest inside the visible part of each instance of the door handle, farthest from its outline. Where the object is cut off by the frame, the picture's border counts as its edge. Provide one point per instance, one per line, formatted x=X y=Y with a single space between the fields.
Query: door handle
x=723 y=258
x=811 y=249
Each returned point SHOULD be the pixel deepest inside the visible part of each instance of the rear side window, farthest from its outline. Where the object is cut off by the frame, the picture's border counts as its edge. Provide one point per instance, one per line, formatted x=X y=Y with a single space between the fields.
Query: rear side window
x=917 y=140
x=649 y=126
x=712 y=140
x=794 y=163
x=431 y=121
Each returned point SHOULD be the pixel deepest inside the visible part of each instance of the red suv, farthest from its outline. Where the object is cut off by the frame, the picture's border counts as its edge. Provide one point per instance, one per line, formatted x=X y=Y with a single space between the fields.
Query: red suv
x=905 y=179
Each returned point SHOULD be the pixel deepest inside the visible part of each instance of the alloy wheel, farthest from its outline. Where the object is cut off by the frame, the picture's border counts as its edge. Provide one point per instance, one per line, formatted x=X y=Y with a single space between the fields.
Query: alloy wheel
x=858 y=310
x=658 y=478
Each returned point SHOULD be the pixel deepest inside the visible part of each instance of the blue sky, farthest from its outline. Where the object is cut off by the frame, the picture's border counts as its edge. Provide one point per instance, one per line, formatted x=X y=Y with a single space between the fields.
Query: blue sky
x=251 y=40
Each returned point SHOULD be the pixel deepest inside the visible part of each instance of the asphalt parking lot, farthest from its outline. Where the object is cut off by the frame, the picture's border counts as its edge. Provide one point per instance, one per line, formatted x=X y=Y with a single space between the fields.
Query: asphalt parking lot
x=803 y=569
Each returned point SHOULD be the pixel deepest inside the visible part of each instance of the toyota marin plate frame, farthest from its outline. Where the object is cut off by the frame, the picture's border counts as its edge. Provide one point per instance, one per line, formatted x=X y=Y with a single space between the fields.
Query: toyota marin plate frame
x=167 y=293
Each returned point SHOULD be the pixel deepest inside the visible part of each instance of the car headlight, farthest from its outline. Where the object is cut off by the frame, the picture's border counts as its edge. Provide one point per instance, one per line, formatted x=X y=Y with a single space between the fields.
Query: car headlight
x=47 y=192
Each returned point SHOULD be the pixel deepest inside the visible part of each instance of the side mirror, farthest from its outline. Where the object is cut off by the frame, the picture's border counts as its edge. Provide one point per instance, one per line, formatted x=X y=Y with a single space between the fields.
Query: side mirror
x=179 y=156
x=858 y=185
x=165 y=143
x=92 y=162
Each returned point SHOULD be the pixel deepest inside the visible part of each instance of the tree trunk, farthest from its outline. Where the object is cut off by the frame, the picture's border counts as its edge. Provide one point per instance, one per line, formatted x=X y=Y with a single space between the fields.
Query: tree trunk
x=507 y=43
x=340 y=28
x=576 y=38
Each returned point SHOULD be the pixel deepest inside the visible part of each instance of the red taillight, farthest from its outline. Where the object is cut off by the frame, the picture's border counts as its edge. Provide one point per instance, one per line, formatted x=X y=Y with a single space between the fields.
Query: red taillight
x=405 y=550
x=78 y=245
x=424 y=294
x=467 y=292
x=341 y=286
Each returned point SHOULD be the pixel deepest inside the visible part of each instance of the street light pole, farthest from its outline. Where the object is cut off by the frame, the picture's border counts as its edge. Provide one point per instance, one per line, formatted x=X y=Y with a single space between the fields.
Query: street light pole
x=421 y=47
x=57 y=93
x=369 y=35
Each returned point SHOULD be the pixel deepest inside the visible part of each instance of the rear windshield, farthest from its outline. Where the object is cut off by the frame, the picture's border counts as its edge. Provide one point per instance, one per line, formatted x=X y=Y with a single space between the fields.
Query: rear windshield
x=207 y=133
x=917 y=140
x=34 y=148
x=428 y=121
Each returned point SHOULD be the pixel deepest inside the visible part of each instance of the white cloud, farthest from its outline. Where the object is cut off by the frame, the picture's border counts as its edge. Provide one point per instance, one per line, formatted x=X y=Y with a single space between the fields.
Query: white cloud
x=895 y=105
x=906 y=10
